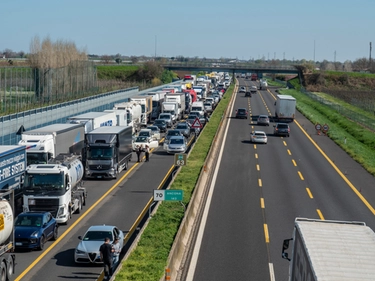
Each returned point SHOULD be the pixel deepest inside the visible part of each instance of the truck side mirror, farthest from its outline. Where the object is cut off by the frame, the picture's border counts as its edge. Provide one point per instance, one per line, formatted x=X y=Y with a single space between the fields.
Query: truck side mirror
x=284 y=255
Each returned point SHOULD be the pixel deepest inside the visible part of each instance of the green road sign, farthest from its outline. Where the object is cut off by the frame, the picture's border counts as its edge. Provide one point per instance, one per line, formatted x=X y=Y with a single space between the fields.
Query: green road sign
x=168 y=195
x=180 y=159
x=174 y=195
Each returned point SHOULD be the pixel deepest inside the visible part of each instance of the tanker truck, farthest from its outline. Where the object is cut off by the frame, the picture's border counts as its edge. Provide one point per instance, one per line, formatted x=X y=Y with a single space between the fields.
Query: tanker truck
x=133 y=114
x=55 y=187
x=7 y=257
x=93 y=120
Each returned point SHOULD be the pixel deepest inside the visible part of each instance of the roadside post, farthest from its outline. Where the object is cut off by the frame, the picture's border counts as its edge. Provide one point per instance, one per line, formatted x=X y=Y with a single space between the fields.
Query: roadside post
x=180 y=159
x=318 y=128
x=325 y=129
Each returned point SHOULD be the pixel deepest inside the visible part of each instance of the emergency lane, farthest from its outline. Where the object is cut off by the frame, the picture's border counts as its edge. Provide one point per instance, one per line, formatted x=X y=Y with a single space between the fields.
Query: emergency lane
x=117 y=203
x=261 y=189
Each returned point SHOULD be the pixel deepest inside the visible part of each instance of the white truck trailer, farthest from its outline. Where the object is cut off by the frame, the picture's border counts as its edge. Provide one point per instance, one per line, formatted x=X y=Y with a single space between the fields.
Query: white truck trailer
x=93 y=120
x=55 y=187
x=181 y=100
x=172 y=108
x=330 y=250
x=45 y=143
x=285 y=108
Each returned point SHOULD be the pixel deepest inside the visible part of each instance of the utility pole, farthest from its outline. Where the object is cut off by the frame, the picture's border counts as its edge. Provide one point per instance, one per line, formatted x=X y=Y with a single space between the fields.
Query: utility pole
x=370 y=56
x=314 y=51
x=156 y=38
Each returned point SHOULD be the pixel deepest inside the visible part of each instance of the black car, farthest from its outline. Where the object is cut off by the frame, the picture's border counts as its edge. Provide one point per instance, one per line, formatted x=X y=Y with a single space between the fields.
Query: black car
x=161 y=124
x=241 y=113
x=184 y=128
x=281 y=129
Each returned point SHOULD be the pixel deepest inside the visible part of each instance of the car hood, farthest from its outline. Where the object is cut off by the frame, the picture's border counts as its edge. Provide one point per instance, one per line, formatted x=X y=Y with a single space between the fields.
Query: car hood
x=89 y=246
x=176 y=145
x=25 y=231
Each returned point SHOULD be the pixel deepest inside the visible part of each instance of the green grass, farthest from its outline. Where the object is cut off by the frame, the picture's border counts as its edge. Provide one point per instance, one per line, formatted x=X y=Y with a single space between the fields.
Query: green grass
x=149 y=259
x=121 y=72
x=357 y=141
x=350 y=74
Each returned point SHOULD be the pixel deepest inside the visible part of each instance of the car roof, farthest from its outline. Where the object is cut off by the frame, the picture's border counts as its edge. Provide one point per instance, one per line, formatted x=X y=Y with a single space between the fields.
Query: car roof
x=173 y=130
x=263 y=115
x=100 y=227
x=259 y=132
x=177 y=137
x=241 y=109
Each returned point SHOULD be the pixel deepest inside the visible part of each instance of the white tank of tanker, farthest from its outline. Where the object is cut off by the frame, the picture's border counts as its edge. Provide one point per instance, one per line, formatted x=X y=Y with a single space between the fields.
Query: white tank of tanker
x=6 y=221
x=72 y=163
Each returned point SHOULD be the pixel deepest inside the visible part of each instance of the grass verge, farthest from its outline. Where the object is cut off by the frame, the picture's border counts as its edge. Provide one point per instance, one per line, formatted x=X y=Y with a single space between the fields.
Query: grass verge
x=357 y=141
x=149 y=259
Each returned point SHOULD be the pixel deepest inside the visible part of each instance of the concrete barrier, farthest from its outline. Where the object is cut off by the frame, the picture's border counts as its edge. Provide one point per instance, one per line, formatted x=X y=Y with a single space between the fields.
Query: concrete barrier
x=189 y=224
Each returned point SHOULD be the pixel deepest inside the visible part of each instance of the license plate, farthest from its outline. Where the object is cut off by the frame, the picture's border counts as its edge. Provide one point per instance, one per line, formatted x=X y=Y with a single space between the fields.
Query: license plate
x=18 y=244
x=99 y=177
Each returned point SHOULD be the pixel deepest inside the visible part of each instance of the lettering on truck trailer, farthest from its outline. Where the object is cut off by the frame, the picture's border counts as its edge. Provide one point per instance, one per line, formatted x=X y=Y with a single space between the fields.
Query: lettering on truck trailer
x=79 y=171
x=107 y=123
x=12 y=166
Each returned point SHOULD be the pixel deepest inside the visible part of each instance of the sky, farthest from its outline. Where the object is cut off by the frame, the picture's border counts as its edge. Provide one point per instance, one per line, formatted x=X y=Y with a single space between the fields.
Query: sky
x=333 y=30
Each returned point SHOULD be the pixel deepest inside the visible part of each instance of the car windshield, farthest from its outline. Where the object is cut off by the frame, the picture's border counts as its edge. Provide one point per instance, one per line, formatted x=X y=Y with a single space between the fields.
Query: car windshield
x=144 y=134
x=181 y=126
x=161 y=122
x=282 y=126
x=166 y=116
x=173 y=133
x=241 y=111
x=177 y=141
x=153 y=128
x=25 y=220
x=141 y=139
x=97 y=236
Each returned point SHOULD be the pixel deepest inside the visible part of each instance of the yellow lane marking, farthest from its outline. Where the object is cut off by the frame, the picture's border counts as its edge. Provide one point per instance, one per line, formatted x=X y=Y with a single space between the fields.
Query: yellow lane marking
x=290 y=153
x=309 y=193
x=258 y=167
x=256 y=155
x=262 y=203
x=300 y=175
x=320 y=214
x=284 y=142
x=338 y=171
x=260 y=182
x=294 y=163
x=266 y=233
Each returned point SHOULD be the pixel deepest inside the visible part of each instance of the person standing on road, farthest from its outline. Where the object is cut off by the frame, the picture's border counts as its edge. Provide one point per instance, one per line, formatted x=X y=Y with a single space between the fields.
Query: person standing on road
x=139 y=150
x=116 y=252
x=147 y=153
x=106 y=255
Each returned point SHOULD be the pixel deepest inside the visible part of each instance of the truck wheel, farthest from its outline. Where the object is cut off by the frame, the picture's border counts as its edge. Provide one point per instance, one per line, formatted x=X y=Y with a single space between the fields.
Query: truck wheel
x=126 y=165
x=3 y=273
x=79 y=205
x=10 y=266
x=42 y=242
x=55 y=233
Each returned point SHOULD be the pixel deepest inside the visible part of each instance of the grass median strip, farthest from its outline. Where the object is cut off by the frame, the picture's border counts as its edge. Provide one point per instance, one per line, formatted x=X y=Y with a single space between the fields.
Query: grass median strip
x=149 y=258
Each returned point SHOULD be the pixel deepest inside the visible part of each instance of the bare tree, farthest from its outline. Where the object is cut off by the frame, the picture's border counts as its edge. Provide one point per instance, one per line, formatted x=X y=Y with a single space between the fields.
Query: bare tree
x=360 y=64
x=106 y=59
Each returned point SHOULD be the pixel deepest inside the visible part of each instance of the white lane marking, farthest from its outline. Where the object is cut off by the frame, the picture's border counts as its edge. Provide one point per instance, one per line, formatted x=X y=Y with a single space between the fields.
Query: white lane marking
x=198 y=243
x=272 y=273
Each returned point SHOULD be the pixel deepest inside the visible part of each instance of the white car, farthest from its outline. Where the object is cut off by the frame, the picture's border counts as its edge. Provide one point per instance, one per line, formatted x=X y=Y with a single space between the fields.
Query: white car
x=258 y=136
x=87 y=250
x=155 y=131
x=151 y=142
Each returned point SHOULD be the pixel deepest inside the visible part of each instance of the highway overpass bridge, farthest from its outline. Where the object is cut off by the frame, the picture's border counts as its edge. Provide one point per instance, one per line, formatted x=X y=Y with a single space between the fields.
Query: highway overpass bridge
x=230 y=67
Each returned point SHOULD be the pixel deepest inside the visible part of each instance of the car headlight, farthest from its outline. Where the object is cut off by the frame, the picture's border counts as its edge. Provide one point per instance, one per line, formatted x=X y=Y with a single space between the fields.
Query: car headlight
x=80 y=252
x=35 y=234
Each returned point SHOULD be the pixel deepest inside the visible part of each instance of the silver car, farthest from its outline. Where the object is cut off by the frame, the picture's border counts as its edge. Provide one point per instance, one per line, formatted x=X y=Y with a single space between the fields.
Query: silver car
x=177 y=144
x=184 y=128
x=87 y=250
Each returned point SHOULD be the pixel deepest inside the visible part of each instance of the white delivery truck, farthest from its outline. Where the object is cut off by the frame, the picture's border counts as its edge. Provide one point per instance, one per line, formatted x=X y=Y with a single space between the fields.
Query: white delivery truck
x=55 y=187
x=157 y=100
x=121 y=116
x=93 y=120
x=172 y=108
x=181 y=100
x=285 y=108
x=45 y=143
x=330 y=250
x=198 y=106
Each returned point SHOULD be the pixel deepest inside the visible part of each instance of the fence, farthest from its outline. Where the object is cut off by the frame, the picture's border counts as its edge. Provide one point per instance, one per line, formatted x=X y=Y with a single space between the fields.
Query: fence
x=23 y=88
x=350 y=114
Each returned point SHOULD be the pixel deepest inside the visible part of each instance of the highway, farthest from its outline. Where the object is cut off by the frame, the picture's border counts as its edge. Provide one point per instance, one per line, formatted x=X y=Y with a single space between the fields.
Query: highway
x=109 y=202
x=260 y=189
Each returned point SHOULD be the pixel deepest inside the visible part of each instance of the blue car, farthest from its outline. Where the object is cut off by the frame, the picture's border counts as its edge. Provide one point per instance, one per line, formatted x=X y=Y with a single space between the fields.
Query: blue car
x=33 y=229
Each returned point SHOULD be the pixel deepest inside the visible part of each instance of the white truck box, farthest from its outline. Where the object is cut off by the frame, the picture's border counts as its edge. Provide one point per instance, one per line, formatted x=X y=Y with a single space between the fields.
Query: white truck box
x=331 y=250
x=285 y=108
x=93 y=120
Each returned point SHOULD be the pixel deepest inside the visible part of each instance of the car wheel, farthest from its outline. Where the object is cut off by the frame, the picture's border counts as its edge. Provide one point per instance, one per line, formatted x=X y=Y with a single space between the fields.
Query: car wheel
x=55 y=233
x=42 y=242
